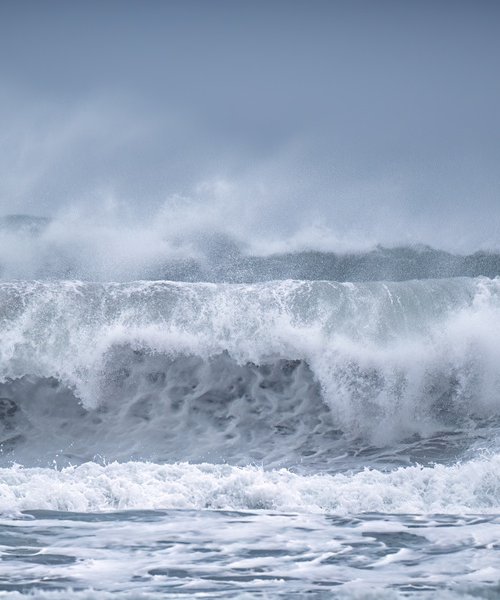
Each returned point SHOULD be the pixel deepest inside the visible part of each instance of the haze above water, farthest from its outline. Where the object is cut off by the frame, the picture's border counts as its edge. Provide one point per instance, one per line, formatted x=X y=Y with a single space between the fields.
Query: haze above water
x=335 y=126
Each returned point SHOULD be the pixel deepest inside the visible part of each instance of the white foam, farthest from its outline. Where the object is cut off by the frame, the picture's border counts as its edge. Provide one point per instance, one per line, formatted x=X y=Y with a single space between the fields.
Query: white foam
x=472 y=487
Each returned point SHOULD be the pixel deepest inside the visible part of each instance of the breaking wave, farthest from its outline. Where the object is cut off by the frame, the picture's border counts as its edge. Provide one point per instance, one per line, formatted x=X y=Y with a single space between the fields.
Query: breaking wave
x=276 y=373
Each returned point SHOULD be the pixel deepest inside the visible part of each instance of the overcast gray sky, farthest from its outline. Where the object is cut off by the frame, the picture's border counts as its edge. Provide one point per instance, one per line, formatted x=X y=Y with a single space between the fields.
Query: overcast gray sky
x=370 y=120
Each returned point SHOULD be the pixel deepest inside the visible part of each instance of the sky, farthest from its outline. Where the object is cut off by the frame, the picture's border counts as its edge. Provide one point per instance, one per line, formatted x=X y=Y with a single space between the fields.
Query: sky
x=286 y=123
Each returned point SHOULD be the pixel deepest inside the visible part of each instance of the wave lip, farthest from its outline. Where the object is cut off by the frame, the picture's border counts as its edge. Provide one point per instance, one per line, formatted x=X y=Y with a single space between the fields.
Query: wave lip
x=471 y=487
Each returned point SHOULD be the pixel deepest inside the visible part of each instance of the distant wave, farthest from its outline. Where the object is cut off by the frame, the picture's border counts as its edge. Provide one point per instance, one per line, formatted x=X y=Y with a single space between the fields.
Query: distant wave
x=36 y=248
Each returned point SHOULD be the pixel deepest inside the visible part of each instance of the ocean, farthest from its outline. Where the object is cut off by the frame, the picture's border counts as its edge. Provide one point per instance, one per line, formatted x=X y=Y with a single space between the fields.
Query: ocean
x=249 y=433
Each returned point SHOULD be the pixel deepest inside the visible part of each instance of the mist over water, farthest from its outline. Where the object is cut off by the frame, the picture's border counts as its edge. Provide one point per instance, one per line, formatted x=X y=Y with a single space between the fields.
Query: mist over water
x=177 y=245
x=249 y=299
x=286 y=128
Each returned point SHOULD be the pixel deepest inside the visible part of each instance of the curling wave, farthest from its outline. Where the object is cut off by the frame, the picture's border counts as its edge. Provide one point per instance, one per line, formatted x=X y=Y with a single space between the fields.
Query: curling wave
x=250 y=372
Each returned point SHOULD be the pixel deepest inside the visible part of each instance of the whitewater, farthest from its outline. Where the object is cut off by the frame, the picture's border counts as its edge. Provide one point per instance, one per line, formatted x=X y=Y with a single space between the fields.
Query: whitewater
x=250 y=436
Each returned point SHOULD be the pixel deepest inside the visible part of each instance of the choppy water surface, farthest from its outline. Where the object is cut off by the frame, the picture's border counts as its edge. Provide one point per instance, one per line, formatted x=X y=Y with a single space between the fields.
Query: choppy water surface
x=186 y=553
x=307 y=438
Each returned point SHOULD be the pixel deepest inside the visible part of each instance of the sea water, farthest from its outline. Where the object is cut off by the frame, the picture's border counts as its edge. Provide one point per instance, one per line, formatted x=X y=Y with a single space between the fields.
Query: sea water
x=167 y=439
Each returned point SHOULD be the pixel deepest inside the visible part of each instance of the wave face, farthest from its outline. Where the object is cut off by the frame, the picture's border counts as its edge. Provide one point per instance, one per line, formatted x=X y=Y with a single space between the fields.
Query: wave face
x=278 y=373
